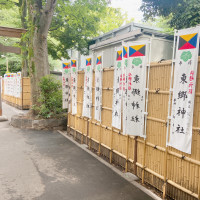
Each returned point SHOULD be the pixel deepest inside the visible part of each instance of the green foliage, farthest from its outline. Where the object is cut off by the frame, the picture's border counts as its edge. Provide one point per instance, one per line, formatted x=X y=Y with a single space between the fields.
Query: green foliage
x=186 y=55
x=184 y=13
x=76 y=22
x=50 y=99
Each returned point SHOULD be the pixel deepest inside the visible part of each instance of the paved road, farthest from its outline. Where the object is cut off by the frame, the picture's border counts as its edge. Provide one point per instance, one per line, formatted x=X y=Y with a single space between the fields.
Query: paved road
x=44 y=165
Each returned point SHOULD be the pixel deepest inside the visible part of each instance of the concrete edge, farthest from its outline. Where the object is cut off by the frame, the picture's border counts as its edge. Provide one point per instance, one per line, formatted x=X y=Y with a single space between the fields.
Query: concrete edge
x=131 y=178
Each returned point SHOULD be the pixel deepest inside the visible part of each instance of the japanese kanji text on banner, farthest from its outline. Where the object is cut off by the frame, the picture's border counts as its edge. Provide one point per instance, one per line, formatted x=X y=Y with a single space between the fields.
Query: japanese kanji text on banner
x=98 y=86
x=117 y=90
x=74 y=80
x=136 y=85
x=186 y=62
x=124 y=84
x=66 y=83
x=87 y=98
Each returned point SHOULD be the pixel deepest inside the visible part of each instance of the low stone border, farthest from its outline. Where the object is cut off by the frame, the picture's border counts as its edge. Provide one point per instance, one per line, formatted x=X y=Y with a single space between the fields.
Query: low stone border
x=19 y=121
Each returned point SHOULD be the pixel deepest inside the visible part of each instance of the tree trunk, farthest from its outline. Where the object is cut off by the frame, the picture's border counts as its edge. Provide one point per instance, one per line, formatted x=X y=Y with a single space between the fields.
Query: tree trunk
x=38 y=52
x=23 y=15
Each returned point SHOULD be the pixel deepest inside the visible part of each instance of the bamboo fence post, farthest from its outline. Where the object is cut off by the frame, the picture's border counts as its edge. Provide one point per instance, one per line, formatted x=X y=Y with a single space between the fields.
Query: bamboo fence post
x=144 y=160
x=111 y=145
x=127 y=148
x=165 y=173
x=99 y=150
x=87 y=131
x=83 y=130
x=75 y=128
x=199 y=185
x=90 y=136
x=135 y=155
x=168 y=118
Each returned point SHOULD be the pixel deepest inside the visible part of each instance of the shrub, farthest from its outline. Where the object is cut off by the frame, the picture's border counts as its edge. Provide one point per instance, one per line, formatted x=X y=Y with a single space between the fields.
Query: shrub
x=50 y=99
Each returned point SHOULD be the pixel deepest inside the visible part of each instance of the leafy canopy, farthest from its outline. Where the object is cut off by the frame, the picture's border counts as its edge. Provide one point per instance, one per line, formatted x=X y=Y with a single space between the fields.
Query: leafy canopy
x=184 y=13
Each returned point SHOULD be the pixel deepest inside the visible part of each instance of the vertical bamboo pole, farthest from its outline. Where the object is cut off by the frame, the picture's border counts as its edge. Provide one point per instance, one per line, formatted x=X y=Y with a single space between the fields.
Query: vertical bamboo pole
x=168 y=118
x=111 y=145
x=144 y=161
x=135 y=155
x=99 y=149
x=83 y=130
x=90 y=135
x=199 y=185
x=75 y=127
x=87 y=132
x=127 y=155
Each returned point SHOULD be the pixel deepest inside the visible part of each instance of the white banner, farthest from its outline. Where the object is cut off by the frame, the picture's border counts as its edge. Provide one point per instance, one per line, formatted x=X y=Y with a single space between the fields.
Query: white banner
x=98 y=86
x=87 y=98
x=117 y=90
x=186 y=62
x=124 y=85
x=136 y=84
x=1 y=82
x=74 y=71
x=18 y=87
x=66 y=76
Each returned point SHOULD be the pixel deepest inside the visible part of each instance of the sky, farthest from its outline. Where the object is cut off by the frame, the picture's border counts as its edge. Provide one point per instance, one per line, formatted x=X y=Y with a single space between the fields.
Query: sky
x=130 y=6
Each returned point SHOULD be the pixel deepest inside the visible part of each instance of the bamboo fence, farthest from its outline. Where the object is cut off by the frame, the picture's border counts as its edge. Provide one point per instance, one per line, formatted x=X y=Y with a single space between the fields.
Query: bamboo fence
x=24 y=102
x=173 y=172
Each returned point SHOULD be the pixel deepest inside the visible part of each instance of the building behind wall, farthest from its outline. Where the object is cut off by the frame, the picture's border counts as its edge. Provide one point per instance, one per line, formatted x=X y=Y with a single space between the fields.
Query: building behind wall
x=162 y=43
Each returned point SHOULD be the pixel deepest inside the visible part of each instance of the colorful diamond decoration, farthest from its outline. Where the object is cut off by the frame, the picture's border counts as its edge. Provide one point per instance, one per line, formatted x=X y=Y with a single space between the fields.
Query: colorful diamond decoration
x=188 y=41
x=98 y=60
x=88 y=61
x=73 y=63
x=137 y=50
x=125 y=54
x=119 y=55
x=66 y=65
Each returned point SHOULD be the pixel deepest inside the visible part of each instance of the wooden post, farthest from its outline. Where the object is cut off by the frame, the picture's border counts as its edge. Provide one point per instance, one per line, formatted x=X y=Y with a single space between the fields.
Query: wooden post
x=127 y=148
x=99 y=150
x=165 y=173
x=199 y=185
x=90 y=138
x=83 y=130
x=111 y=145
x=0 y=101
x=144 y=160
x=87 y=132
x=135 y=156
x=75 y=128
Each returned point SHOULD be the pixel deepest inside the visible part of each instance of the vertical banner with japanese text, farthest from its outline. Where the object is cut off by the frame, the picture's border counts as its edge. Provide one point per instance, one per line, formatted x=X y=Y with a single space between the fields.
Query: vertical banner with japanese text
x=1 y=83
x=98 y=86
x=124 y=85
x=185 y=71
x=136 y=85
x=18 y=87
x=117 y=90
x=87 y=97
x=66 y=73
x=74 y=71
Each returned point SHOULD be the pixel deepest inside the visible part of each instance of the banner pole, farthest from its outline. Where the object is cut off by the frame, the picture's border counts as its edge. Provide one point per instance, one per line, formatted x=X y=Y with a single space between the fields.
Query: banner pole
x=168 y=117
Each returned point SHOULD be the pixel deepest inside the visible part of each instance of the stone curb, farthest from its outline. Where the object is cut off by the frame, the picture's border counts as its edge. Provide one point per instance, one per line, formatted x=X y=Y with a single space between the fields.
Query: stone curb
x=43 y=124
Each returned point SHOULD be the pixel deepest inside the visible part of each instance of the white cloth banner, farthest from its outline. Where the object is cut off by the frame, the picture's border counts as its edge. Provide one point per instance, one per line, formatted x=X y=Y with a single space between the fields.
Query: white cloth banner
x=1 y=83
x=124 y=85
x=136 y=84
x=18 y=87
x=186 y=62
x=87 y=98
x=117 y=90
x=66 y=77
x=74 y=69
x=98 y=86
